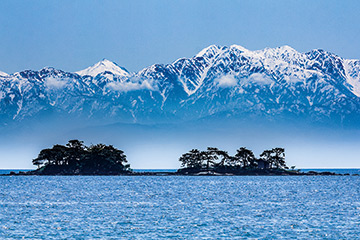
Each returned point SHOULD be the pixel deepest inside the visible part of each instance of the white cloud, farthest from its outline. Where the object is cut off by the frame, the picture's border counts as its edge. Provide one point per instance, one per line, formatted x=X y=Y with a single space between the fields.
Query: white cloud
x=55 y=83
x=129 y=86
x=259 y=78
x=292 y=79
x=226 y=81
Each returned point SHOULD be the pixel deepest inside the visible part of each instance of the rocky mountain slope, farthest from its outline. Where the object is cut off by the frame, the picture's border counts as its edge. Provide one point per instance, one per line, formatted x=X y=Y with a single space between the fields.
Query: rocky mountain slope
x=219 y=82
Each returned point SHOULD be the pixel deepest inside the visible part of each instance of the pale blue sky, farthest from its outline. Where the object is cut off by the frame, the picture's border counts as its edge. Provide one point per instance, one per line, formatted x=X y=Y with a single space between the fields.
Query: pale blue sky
x=72 y=35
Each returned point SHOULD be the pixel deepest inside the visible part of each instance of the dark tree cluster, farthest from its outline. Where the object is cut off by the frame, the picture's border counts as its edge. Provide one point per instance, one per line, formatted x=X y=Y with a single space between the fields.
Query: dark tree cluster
x=214 y=159
x=76 y=158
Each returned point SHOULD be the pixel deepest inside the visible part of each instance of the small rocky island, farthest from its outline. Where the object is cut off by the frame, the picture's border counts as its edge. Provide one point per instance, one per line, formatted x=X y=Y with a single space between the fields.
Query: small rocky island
x=75 y=158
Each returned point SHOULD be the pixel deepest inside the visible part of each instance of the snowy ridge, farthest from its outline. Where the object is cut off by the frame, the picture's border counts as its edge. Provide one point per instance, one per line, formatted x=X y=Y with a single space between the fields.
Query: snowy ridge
x=232 y=82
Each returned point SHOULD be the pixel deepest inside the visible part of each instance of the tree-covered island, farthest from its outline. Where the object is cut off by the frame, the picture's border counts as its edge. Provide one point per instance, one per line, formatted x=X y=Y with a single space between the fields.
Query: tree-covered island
x=244 y=162
x=77 y=159
x=214 y=161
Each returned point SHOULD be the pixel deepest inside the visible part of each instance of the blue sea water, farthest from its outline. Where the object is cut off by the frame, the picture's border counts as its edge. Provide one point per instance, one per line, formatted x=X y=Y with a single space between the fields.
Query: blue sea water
x=154 y=170
x=7 y=171
x=179 y=207
x=335 y=170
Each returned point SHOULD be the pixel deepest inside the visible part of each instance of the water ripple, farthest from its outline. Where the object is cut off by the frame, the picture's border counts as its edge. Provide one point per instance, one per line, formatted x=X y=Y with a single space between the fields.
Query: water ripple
x=179 y=207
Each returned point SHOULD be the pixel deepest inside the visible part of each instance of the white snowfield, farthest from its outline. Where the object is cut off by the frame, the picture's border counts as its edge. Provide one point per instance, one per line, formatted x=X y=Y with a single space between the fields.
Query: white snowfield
x=219 y=79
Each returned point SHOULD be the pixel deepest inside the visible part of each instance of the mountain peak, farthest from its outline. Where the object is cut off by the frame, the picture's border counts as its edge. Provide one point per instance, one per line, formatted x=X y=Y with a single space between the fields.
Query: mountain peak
x=287 y=48
x=50 y=69
x=104 y=65
x=105 y=61
x=278 y=50
x=3 y=74
x=238 y=47
x=209 y=51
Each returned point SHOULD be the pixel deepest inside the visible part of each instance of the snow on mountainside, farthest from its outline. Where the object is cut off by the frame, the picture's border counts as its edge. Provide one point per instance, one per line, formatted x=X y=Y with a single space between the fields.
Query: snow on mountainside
x=224 y=82
x=104 y=66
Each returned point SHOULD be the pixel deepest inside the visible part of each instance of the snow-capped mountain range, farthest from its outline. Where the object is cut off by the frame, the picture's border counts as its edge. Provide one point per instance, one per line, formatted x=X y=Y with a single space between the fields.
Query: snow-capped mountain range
x=219 y=82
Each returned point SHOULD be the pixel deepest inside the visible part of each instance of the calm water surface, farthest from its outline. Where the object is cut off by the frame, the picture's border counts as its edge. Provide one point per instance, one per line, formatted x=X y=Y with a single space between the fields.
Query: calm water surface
x=179 y=207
